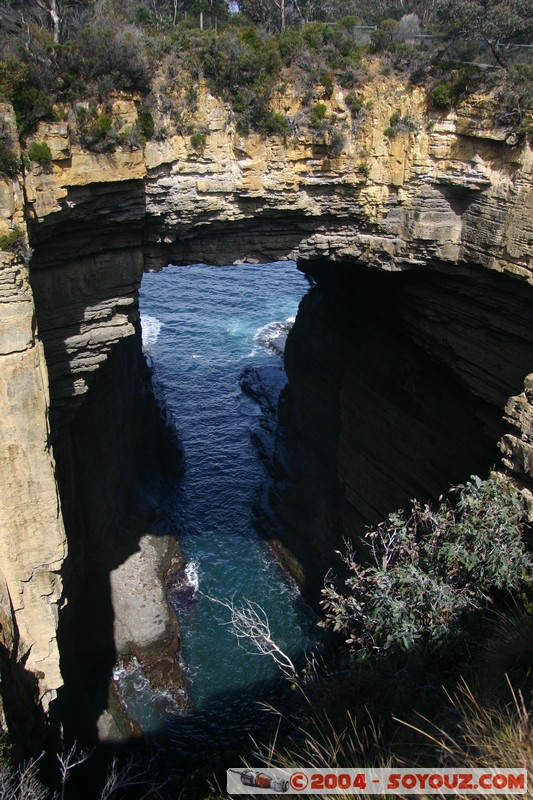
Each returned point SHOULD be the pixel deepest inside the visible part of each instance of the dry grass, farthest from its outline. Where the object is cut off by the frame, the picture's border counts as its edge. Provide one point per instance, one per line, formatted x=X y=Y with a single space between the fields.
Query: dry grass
x=483 y=737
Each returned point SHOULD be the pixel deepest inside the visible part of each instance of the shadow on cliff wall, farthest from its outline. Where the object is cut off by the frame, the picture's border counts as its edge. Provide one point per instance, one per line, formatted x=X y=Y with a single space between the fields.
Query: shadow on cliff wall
x=108 y=438
x=188 y=753
x=261 y=237
x=22 y=711
x=112 y=463
x=114 y=455
x=397 y=389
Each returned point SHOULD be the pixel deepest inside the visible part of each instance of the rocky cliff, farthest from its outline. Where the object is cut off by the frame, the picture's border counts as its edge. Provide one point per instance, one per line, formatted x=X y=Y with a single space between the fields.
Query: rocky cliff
x=33 y=543
x=407 y=363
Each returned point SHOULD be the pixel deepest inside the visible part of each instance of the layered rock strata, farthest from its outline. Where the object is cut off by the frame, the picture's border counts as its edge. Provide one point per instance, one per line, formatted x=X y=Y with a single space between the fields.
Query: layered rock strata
x=33 y=543
x=420 y=244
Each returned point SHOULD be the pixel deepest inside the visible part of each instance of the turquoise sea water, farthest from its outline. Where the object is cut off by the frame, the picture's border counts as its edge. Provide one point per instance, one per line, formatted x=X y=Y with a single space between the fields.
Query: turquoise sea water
x=204 y=329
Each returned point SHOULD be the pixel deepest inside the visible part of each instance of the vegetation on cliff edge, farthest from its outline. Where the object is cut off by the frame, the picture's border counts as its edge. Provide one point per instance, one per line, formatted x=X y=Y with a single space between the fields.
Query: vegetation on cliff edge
x=437 y=627
x=430 y=567
x=64 y=52
x=435 y=669
x=438 y=644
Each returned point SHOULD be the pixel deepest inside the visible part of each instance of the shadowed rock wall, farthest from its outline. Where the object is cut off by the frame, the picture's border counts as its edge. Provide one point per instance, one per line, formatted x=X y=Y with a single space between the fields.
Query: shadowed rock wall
x=398 y=384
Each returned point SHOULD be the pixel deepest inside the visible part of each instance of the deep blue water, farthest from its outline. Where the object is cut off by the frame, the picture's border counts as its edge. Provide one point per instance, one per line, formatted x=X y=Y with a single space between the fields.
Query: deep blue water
x=203 y=327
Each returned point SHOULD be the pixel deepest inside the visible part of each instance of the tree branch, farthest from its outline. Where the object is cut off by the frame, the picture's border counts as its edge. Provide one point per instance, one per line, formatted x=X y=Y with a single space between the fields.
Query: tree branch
x=249 y=622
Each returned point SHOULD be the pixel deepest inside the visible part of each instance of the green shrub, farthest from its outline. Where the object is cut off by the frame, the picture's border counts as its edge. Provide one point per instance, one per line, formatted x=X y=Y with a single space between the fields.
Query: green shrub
x=142 y=15
x=31 y=104
x=13 y=240
x=399 y=124
x=99 y=133
x=326 y=79
x=429 y=567
x=290 y=43
x=462 y=80
x=198 y=141
x=102 y=126
x=146 y=122
x=443 y=96
x=335 y=143
x=395 y=119
x=250 y=37
x=521 y=76
x=106 y=54
x=273 y=124
x=25 y=80
x=9 y=163
x=132 y=137
x=343 y=43
x=515 y=99
x=354 y=103
x=41 y=153
x=242 y=69
x=316 y=35
x=363 y=168
x=13 y=74
x=525 y=131
x=100 y=57
x=318 y=115
x=349 y=23
x=385 y=36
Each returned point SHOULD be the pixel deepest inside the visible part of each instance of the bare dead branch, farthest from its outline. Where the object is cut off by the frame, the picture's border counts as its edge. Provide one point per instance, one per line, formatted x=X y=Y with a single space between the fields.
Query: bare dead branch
x=249 y=623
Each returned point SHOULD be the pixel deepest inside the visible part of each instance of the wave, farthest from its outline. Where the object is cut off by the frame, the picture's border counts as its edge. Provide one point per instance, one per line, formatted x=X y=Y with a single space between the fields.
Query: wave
x=191 y=574
x=273 y=335
x=183 y=587
x=151 y=328
x=142 y=701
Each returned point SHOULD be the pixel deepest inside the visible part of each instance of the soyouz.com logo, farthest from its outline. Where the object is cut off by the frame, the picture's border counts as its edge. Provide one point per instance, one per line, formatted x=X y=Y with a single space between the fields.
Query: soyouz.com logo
x=377 y=781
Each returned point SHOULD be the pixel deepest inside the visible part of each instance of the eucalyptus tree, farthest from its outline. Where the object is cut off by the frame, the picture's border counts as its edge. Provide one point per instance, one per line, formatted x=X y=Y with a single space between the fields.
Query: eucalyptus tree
x=270 y=14
x=163 y=11
x=60 y=17
x=494 y=23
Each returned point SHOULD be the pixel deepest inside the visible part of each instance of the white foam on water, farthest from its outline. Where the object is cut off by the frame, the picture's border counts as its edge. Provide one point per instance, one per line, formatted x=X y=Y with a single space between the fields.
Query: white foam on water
x=133 y=676
x=191 y=574
x=273 y=335
x=136 y=691
x=151 y=328
x=237 y=328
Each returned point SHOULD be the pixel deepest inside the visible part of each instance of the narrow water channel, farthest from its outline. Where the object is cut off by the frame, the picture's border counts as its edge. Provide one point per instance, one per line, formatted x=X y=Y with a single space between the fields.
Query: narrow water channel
x=207 y=330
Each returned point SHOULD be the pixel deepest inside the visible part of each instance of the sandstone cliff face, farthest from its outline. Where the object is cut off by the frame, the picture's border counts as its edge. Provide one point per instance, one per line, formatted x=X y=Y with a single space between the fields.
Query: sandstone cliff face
x=440 y=213
x=33 y=542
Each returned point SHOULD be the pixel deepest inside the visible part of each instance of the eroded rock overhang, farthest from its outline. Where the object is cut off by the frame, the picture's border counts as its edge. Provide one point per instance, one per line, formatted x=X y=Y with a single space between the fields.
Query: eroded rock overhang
x=449 y=195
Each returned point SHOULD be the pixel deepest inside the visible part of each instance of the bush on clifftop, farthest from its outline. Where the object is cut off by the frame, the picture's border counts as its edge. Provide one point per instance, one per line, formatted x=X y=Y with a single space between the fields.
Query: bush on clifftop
x=98 y=48
x=430 y=566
